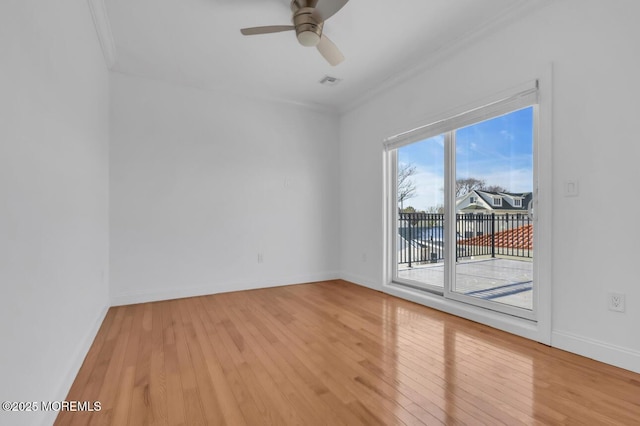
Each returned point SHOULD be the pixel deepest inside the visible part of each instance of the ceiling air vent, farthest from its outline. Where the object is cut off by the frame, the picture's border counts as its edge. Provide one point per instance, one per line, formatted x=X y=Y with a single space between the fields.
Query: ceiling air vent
x=330 y=81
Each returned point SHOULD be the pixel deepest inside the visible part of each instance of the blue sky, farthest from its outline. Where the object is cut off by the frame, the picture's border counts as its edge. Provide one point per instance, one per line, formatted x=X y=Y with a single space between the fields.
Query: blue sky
x=497 y=150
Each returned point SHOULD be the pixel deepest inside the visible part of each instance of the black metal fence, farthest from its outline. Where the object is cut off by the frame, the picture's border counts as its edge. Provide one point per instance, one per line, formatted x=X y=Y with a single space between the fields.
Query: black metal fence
x=421 y=236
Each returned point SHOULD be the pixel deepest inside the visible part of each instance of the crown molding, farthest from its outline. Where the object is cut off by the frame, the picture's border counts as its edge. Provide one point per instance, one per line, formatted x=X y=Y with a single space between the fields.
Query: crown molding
x=103 y=29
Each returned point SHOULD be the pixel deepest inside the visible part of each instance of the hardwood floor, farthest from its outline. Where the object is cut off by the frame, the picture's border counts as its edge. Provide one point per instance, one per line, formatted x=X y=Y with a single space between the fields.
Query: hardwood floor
x=333 y=353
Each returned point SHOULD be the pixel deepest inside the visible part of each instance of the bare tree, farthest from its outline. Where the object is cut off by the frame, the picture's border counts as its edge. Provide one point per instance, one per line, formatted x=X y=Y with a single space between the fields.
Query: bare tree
x=464 y=186
x=406 y=185
x=495 y=188
x=436 y=209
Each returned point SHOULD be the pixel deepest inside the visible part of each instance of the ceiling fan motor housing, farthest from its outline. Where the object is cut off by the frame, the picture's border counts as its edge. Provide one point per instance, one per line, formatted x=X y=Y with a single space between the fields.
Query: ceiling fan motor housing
x=308 y=21
x=308 y=30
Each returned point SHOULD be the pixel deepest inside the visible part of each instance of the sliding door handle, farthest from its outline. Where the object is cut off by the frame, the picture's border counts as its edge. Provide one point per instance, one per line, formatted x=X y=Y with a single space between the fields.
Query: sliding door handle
x=530 y=210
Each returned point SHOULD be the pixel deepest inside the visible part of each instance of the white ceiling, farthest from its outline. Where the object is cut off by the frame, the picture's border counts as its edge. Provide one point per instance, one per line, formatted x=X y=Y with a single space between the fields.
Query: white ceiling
x=198 y=43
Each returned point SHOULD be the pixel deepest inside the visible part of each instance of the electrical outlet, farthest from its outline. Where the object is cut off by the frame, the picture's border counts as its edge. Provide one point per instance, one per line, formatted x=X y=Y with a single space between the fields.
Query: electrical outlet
x=616 y=302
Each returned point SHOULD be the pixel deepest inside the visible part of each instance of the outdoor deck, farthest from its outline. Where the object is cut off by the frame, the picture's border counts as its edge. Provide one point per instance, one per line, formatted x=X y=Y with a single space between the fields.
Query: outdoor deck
x=502 y=280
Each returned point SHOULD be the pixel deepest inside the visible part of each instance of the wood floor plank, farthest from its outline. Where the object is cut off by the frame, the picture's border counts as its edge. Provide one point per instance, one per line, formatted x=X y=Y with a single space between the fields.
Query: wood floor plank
x=223 y=370
x=299 y=352
x=140 y=412
x=175 y=397
x=123 y=407
x=206 y=392
x=284 y=376
x=253 y=379
x=111 y=385
x=211 y=371
x=306 y=381
x=157 y=393
x=333 y=353
x=295 y=392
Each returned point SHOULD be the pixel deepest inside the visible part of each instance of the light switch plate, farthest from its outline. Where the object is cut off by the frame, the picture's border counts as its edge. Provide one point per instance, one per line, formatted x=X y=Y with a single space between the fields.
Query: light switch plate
x=571 y=188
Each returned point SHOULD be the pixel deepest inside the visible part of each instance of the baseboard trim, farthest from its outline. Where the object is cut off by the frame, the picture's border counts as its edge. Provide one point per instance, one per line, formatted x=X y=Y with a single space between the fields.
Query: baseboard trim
x=76 y=362
x=359 y=280
x=617 y=356
x=157 y=295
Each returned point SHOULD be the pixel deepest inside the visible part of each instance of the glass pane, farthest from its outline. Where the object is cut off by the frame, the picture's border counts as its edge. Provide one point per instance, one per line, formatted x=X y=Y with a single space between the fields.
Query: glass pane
x=494 y=184
x=420 y=237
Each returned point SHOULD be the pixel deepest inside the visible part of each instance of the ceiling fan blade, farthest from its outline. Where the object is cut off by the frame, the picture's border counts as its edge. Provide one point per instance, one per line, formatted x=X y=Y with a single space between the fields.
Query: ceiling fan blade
x=325 y=9
x=267 y=29
x=330 y=51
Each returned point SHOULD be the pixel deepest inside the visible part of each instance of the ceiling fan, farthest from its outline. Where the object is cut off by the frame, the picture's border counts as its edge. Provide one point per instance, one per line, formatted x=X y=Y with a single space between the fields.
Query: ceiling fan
x=308 y=20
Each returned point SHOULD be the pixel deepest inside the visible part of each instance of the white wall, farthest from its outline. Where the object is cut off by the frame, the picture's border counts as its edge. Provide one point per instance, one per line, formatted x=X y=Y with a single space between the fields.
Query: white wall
x=593 y=46
x=53 y=198
x=202 y=183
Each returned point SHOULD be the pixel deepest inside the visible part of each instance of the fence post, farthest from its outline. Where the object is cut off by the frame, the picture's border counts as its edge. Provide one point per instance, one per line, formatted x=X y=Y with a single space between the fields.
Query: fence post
x=493 y=235
x=410 y=240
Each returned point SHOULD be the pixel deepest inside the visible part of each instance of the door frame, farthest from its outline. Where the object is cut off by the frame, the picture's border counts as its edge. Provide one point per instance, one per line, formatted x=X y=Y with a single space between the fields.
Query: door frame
x=538 y=329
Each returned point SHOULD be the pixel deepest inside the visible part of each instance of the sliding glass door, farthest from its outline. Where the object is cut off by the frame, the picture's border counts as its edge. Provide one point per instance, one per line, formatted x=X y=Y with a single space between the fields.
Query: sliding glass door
x=491 y=203
x=464 y=224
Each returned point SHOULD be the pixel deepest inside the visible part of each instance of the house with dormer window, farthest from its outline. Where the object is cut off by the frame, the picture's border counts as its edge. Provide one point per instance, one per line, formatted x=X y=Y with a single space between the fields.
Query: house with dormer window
x=484 y=202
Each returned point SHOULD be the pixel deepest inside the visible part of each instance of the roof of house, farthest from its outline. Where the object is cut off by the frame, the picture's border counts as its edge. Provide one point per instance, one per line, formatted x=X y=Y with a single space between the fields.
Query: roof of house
x=507 y=197
x=517 y=238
